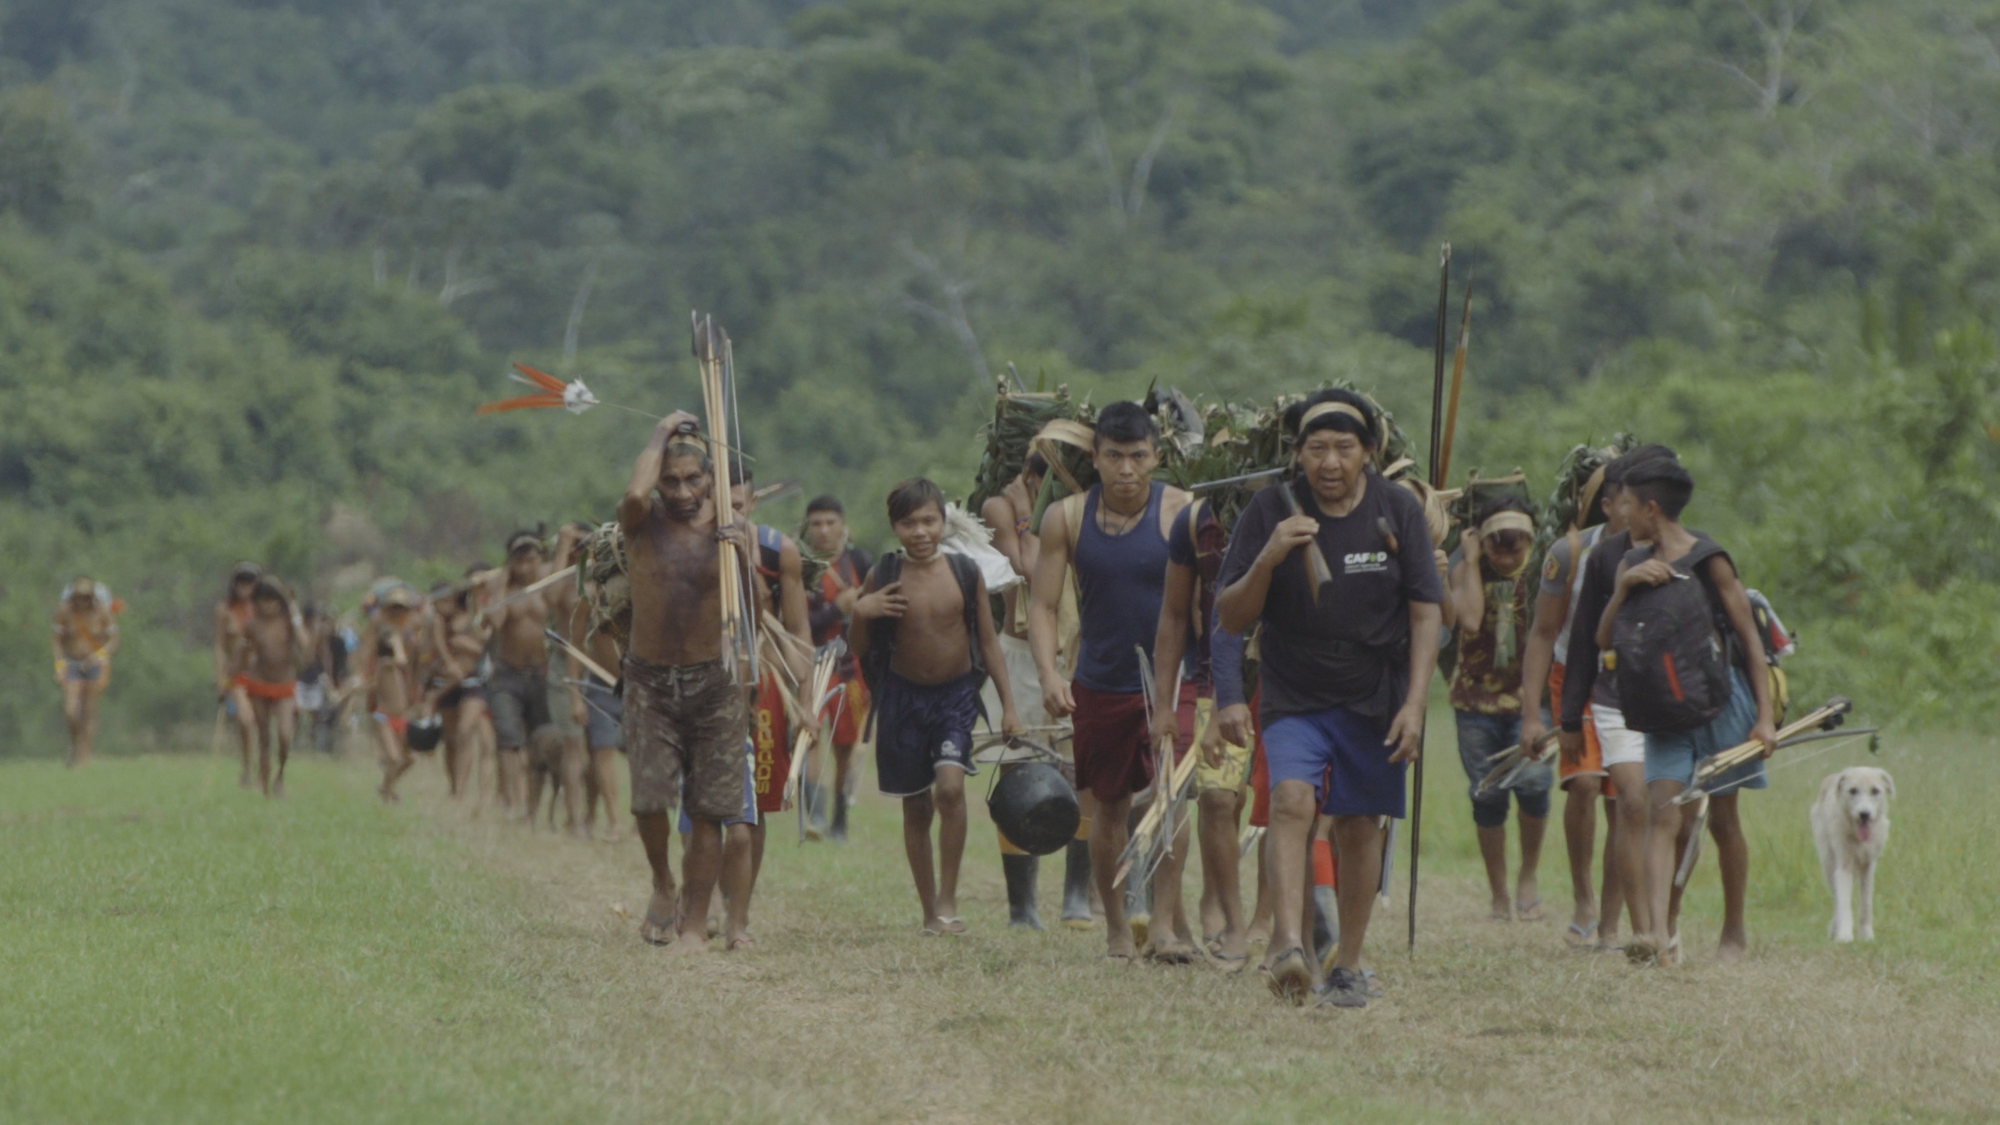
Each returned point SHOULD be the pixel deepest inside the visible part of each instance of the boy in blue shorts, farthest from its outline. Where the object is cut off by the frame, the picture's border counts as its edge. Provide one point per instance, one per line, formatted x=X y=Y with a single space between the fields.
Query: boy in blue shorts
x=1656 y=491
x=923 y=634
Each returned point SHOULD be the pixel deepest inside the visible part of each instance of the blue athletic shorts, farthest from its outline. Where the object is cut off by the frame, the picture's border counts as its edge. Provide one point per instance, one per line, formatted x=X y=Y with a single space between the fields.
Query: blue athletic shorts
x=1341 y=755
x=1673 y=757
x=920 y=728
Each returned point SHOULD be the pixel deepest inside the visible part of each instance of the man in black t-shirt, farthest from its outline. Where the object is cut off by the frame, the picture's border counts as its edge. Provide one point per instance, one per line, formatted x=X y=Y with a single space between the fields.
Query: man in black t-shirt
x=1344 y=669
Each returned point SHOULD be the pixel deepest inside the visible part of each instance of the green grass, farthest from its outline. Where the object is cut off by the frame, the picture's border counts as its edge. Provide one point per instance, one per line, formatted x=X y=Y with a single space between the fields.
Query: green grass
x=173 y=949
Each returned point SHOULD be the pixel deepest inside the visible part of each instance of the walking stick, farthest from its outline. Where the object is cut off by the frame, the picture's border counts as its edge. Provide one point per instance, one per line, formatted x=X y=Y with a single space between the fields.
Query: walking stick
x=1437 y=481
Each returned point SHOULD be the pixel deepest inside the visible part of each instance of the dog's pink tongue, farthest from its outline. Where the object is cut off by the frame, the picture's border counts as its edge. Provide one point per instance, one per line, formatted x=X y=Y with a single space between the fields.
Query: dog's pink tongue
x=1864 y=829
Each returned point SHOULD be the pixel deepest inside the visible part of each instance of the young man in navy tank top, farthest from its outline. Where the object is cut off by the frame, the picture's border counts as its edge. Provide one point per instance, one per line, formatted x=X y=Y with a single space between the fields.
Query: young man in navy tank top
x=1115 y=536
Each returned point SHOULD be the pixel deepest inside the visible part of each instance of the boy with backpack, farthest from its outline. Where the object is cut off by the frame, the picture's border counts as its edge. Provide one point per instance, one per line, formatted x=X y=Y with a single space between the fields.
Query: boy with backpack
x=1681 y=639
x=923 y=634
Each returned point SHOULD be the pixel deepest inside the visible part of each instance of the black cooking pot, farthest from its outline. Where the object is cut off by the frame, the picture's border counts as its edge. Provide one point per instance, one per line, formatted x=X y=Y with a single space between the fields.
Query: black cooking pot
x=425 y=734
x=1034 y=807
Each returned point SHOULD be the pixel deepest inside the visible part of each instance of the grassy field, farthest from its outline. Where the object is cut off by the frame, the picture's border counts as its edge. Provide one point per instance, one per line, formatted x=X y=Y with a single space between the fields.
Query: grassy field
x=174 y=949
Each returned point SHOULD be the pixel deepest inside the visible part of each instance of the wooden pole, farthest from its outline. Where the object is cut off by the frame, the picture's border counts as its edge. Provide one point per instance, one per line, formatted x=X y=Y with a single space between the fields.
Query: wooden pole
x=1437 y=481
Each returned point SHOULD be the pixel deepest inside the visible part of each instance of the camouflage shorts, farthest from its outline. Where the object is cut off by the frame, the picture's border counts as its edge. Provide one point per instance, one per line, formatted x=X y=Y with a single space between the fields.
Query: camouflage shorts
x=685 y=722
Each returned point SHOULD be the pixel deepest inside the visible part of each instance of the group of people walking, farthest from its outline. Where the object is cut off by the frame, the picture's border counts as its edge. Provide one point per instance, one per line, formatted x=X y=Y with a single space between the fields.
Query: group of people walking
x=1293 y=652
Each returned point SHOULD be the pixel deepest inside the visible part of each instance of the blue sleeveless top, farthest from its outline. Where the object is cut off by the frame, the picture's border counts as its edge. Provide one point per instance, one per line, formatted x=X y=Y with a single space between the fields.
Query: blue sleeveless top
x=1120 y=580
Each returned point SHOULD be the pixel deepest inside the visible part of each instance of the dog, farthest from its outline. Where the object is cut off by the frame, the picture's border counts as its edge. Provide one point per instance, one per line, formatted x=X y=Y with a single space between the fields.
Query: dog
x=1850 y=825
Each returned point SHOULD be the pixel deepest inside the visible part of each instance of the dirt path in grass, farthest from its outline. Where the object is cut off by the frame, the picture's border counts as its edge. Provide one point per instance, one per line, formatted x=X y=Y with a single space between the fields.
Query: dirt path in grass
x=845 y=1014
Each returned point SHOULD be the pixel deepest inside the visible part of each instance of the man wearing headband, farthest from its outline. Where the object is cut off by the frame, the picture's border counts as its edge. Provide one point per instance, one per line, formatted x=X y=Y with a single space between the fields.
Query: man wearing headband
x=1489 y=594
x=1347 y=657
x=84 y=634
x=1116 y=536
x=517 y=693
x=685 y=716
x=1581 y=773
x=231 y=614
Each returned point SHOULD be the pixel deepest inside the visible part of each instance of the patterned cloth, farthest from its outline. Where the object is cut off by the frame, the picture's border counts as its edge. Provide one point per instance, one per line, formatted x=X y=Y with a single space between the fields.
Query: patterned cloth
x=688 y=719
x=1488 y=678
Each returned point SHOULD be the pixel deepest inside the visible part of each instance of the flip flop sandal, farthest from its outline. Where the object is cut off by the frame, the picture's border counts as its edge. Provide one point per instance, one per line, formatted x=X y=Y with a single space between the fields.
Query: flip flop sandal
x=954 y=925
x=1580 y=936
x=1229 y=965
x=746 y=942
x=1120 y=959
x=1170 y=955
x=1291 y=977
x=1529 y=911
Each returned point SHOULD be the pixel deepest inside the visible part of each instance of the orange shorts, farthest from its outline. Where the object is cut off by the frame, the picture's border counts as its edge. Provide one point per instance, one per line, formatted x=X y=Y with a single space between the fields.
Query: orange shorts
x=1592 y=764
x=770 y=735
x=852 y=708
x=258 y=689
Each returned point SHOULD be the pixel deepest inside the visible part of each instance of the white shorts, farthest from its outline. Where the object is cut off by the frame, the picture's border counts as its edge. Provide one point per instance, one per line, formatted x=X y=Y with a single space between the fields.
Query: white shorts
x=1618 y=745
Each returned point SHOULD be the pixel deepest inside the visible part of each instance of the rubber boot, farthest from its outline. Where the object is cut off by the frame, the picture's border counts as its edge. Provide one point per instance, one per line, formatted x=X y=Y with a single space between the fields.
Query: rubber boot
x=1076 y=886
x=815 y=811
x=1021 y=872
x=1139 y=910
x=838 y=830
x=1138 y=896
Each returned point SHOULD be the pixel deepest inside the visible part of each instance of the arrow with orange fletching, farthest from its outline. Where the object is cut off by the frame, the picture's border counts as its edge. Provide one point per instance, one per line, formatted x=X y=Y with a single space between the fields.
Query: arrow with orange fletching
x=572 y=396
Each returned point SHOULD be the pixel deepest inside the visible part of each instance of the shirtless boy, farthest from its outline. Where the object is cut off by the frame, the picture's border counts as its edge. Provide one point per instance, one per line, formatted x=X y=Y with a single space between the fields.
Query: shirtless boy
x=388 y=670
x=517 y=693
x=85 y=637
x=231 y=614
x=274 y=646
x=684 y=713
x=923 y=629
x=468 y=734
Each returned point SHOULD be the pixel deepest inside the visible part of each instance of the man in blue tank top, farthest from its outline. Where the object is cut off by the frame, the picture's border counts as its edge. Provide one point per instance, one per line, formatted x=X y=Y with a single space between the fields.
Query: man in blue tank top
x=1115 y=535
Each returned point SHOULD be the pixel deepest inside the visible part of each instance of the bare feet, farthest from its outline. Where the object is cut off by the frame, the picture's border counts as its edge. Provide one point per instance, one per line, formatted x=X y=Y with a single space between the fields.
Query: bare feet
x=1732 y=950
x=1121 y=945
x=243 y=782
x=662 y=922
x=688 y=944
x=1500 y=910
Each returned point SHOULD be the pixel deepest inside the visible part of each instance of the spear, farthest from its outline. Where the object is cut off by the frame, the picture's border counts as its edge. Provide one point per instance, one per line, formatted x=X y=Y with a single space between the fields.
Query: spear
x=1437 y=481
x=1457 y=381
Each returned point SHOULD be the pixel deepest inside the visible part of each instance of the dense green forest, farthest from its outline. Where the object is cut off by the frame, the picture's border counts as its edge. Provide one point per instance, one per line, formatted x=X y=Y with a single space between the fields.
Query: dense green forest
x=260 y=258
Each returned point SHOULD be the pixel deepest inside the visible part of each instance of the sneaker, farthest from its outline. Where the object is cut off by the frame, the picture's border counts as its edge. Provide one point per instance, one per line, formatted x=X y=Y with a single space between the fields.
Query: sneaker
x=1344 y=988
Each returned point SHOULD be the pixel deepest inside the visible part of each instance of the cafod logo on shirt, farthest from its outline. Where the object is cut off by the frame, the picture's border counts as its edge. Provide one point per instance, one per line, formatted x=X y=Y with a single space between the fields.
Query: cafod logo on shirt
x=1365 y=562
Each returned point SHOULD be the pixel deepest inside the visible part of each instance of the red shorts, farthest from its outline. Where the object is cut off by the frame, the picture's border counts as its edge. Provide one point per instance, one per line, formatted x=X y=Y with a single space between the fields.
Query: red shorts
x=849 y=713
x=258 y=689
x=1111 y=743
x=770 y=735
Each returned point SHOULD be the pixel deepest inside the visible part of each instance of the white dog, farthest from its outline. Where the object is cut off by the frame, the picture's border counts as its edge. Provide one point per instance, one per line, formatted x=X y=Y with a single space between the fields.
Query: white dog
x=1850 y=826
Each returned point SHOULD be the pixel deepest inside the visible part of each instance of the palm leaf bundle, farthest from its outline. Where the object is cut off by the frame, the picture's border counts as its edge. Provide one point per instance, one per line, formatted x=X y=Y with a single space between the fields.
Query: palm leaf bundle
x=1017 y=417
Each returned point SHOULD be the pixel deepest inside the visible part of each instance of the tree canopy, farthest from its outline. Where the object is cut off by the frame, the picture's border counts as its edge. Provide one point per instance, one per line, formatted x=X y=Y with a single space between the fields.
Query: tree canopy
x=260 y=258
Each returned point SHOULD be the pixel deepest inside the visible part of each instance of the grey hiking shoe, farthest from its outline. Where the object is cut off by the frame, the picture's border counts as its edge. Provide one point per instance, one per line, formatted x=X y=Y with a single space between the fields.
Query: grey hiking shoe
x=1344 y=988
